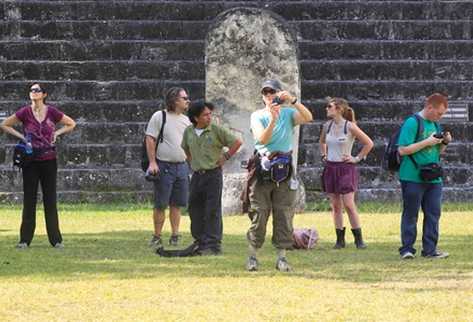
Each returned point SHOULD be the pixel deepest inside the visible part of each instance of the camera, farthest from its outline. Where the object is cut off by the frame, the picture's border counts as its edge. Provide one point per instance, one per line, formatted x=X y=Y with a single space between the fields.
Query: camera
x=277 y=100
x=438 y=135
x=151 y=177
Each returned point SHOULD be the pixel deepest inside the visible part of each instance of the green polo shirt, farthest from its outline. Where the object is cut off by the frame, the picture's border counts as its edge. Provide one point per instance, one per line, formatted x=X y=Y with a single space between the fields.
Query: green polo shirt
x=408 y=171
x=206 y=149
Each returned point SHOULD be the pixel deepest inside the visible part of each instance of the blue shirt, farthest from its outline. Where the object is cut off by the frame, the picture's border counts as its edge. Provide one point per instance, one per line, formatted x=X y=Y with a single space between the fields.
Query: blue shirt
x=283 y=131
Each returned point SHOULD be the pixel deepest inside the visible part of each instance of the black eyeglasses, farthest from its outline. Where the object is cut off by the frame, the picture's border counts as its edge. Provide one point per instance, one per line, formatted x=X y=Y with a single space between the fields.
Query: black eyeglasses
x=36 y=90
x=185 y=98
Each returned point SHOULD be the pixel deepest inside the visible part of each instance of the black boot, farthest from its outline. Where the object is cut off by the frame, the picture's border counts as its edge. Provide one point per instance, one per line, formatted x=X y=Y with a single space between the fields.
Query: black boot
x=340 y=238
x=358 y=238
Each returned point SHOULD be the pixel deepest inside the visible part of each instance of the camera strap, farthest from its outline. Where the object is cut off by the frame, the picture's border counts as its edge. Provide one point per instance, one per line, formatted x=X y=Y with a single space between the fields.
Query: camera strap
x=420 y=130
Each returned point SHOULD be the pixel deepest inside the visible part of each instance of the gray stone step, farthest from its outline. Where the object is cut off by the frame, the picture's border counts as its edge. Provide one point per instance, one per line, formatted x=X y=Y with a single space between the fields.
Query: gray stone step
x=100 y=180
x=451 y=194
x=98 y=111
x=100 y=90
x=189 y=70
x=406 y=69
x=378 y=110
x=194 y=50
x=106 y=30
x=102 y=70
x=387 y=90
x=76 y=156
x=384 y=30
x=375 y=177
x=386 y=49
x=151 y=50
x=207 y=10
x=195 y=30
x=395 y=90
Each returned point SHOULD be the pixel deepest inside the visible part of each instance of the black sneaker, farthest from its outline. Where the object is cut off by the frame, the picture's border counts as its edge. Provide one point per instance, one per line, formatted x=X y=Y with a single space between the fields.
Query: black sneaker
x=156 y=242
x=437 y=254
x=174 y=240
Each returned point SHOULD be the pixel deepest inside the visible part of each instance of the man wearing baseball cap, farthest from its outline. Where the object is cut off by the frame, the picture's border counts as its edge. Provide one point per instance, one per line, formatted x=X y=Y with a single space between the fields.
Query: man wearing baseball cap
x=273 y=130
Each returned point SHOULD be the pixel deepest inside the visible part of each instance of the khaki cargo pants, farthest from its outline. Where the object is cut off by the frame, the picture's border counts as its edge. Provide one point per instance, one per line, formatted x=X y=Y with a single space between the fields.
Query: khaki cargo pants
x=265 y=197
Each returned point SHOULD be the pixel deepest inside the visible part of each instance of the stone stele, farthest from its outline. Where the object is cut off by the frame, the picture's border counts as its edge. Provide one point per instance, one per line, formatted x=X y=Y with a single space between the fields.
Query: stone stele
x=244 y=47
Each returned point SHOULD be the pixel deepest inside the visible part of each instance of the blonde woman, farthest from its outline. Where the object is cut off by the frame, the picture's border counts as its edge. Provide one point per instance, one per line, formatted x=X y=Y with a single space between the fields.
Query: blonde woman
x=340 y=175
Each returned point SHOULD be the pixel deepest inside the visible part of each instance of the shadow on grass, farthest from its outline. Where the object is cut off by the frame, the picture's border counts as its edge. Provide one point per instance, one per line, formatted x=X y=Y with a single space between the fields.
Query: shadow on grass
x=125 y=254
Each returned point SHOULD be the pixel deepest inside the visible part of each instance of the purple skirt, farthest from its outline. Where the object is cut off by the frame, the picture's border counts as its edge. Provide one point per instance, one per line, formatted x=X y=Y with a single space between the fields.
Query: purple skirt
x=340 y=177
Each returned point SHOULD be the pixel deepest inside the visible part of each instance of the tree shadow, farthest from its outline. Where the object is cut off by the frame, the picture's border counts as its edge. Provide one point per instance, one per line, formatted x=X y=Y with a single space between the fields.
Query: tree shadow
x=125 y=254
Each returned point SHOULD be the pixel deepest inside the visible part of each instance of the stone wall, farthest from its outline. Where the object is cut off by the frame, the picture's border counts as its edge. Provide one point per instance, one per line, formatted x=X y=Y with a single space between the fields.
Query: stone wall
x=108 y=61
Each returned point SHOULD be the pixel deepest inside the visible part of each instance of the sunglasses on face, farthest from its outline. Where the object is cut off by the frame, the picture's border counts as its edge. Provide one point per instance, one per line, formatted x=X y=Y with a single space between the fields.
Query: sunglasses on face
x=36 y=90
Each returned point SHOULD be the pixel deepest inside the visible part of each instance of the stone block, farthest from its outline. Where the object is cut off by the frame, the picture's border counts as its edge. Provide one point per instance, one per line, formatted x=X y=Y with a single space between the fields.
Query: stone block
x=385 y=50
x=110 y=70
x=384 y=30
x=100 y=90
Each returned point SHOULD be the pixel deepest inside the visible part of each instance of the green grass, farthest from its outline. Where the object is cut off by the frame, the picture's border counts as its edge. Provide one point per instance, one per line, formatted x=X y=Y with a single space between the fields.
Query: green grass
x=106 y=272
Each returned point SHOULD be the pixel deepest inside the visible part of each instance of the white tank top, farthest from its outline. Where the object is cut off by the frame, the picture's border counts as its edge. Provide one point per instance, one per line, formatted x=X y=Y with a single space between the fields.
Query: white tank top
x=339 y=141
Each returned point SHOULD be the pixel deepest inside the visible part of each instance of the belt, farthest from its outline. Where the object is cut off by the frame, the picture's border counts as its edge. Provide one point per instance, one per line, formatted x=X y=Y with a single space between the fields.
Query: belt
x=172 y=162
x=204 y=171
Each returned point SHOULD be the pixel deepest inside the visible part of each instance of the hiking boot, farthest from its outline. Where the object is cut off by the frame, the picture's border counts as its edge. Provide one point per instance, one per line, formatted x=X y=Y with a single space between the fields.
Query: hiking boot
x=156 y=242
x=174 y=240
x=340 y=238
x=358 y=238
x=252 y=264
x=282 y=265
x=21 y=245
x=437 y=255
x=59 y=246
x=407 y=255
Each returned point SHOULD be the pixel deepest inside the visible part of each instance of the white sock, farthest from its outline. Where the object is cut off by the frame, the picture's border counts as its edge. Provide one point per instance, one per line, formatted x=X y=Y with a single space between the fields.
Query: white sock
x=251 y=251
x=281 y=253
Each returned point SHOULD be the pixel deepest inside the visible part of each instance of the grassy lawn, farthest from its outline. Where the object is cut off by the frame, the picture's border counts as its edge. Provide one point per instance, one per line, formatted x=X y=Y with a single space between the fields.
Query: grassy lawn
x=107 y=272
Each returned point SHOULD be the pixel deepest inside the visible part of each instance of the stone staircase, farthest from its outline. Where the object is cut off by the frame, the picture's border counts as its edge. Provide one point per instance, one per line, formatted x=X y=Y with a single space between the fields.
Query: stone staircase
x=108 y=61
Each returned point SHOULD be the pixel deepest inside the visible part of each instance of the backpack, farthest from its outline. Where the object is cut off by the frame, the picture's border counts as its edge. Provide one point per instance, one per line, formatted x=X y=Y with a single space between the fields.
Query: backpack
x=144 y=152
x=391 y=158
x=305 y=238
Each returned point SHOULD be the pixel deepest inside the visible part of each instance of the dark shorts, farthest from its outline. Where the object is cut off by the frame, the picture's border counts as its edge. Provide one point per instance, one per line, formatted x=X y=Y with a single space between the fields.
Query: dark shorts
x=340 y=177
x=172 y=188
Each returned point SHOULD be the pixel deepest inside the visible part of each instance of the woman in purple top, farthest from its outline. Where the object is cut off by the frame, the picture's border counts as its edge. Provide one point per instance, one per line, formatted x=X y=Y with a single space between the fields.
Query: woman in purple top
x=39 y=131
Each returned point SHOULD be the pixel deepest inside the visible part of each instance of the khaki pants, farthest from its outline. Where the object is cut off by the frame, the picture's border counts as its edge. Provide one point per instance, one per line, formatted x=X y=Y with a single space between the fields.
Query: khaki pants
x=267 y=196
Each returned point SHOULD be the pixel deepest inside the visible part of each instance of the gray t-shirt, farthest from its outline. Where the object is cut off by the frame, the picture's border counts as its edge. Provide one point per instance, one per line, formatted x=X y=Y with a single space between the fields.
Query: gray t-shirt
x=170 y=149
x=338 y=143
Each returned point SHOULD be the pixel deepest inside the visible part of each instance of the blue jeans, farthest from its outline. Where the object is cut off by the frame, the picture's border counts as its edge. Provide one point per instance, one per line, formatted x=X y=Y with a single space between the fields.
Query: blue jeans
x=415 y=195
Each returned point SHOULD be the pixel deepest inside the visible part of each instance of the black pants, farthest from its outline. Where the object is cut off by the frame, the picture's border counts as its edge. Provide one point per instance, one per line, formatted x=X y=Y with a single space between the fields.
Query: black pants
x=205 y=208
x=43 y=172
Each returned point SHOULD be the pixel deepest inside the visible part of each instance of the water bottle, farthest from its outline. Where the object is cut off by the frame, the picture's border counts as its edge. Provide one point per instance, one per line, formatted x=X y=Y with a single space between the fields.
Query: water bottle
x=28 y=147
